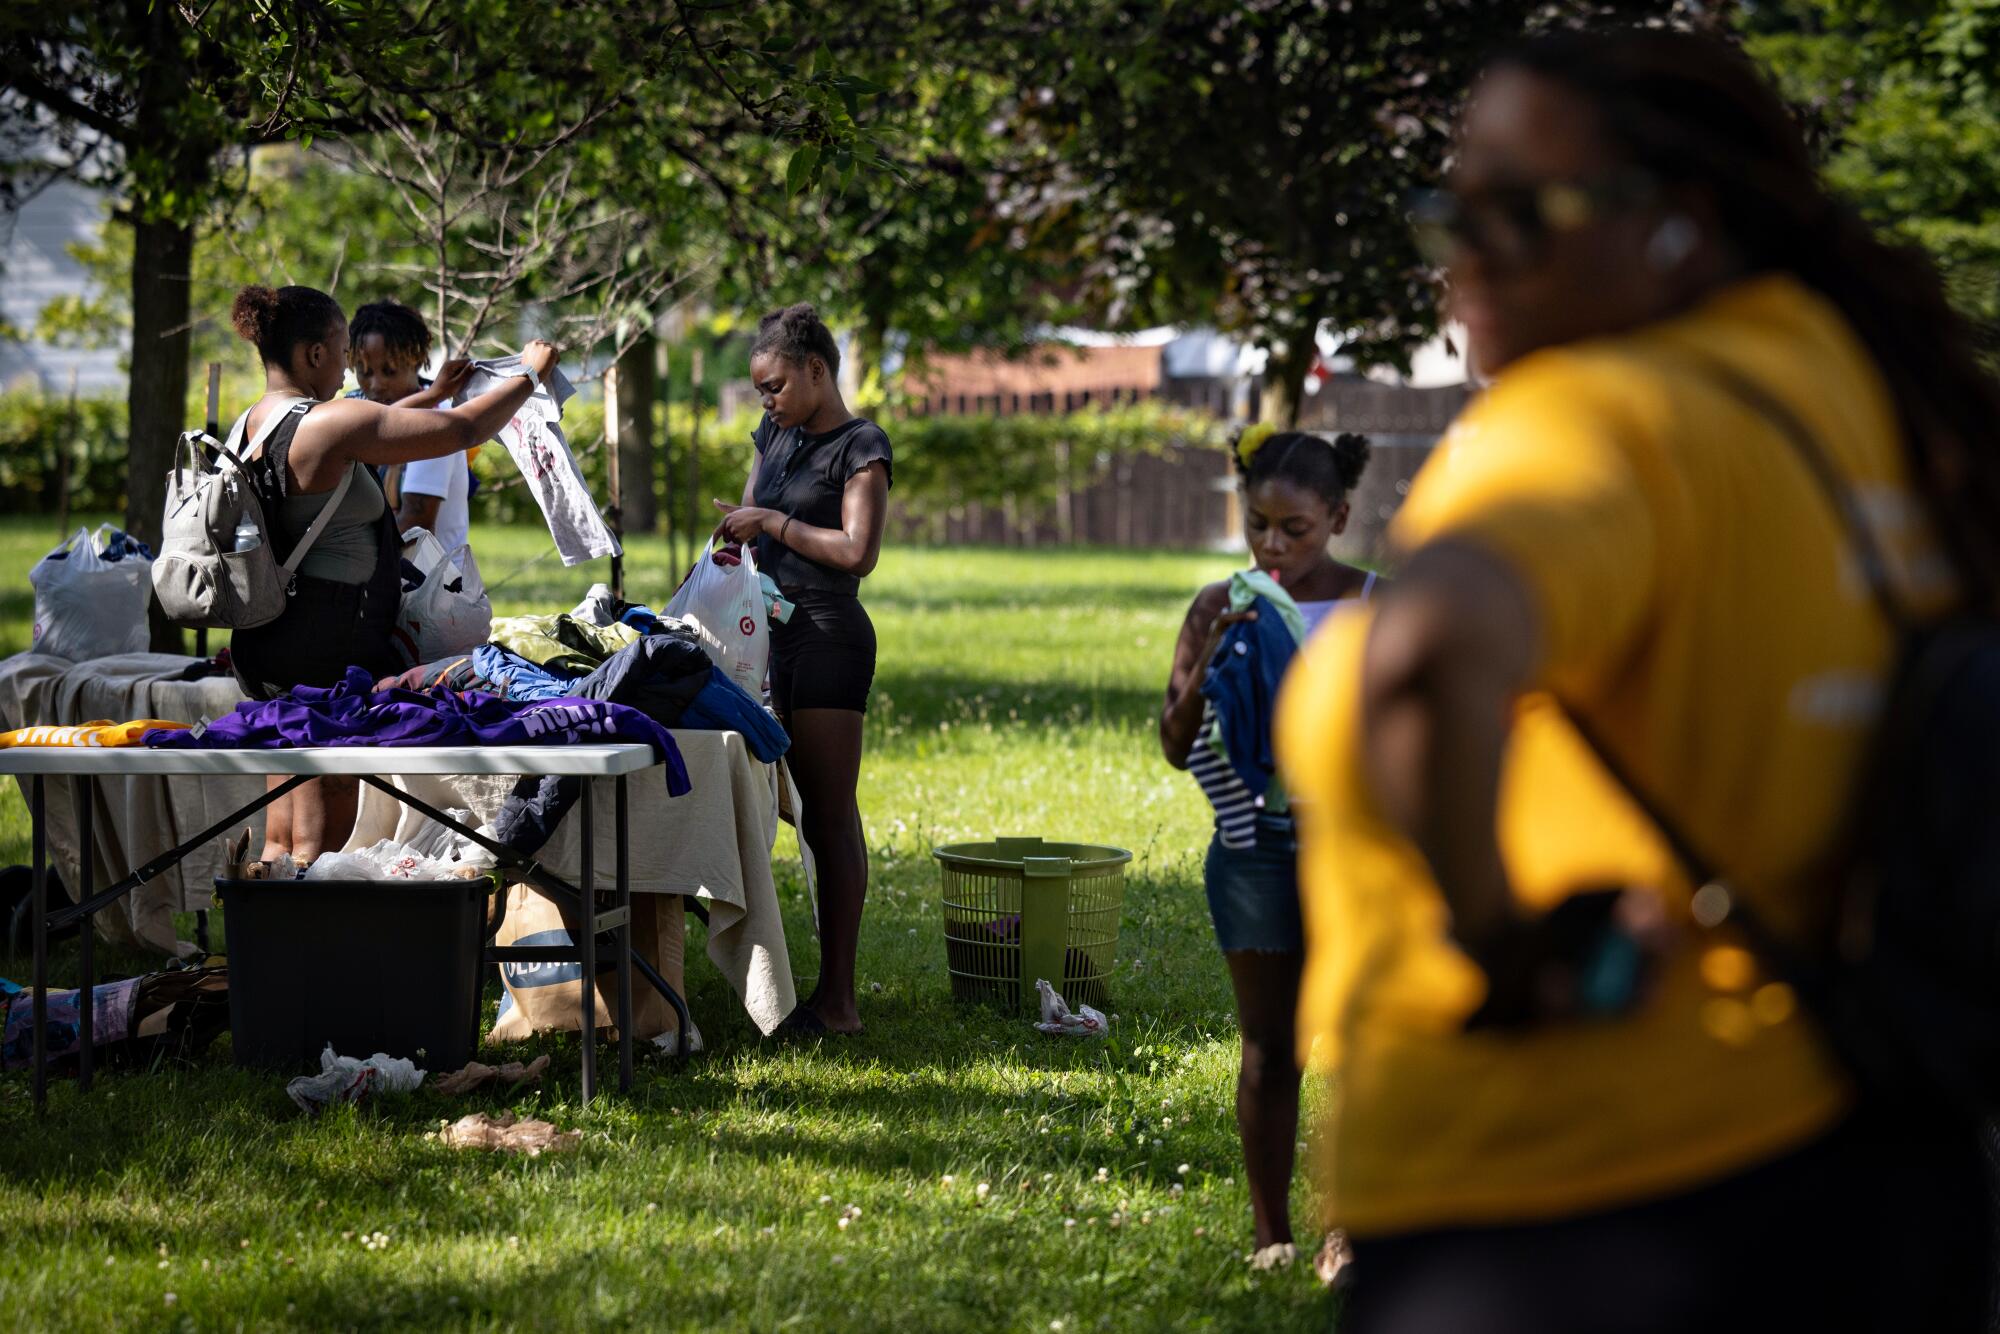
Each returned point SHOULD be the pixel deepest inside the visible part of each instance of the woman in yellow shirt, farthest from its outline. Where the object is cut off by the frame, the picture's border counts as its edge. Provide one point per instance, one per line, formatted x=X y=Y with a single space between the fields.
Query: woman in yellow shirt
x=1556 y=1102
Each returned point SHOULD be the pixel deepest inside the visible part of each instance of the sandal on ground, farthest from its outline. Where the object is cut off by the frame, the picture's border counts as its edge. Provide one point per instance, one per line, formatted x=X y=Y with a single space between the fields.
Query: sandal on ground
x=1334 y=1265
x=1278 y=1255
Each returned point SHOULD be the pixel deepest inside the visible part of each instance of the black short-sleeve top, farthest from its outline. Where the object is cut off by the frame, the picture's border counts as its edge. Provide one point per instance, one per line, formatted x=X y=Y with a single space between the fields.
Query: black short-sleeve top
x=805 y=476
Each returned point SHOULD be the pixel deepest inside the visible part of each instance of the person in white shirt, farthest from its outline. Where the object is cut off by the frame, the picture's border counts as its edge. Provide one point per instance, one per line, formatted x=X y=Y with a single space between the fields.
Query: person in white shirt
x=388 y=345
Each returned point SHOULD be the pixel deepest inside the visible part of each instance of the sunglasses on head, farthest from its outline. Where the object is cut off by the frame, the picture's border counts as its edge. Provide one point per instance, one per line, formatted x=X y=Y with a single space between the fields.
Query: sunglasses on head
x=1511 y=225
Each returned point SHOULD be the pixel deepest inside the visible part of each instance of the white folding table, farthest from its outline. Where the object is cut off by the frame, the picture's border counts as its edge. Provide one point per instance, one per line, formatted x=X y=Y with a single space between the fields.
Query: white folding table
x=371 y=764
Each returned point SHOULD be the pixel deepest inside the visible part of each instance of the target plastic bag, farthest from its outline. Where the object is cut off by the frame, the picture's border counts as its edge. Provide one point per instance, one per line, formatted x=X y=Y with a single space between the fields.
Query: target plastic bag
x=444 y=610
x=1059 y=1019
x=91 y=595
x=724 y=600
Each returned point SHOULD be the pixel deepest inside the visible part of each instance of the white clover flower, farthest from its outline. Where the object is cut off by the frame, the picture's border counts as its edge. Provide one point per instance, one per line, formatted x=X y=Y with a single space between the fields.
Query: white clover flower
x=1185 y=1168
x=981 y=1190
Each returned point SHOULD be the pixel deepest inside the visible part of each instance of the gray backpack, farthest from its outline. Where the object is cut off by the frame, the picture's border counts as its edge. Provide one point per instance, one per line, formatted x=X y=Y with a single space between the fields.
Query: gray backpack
x=206 y=574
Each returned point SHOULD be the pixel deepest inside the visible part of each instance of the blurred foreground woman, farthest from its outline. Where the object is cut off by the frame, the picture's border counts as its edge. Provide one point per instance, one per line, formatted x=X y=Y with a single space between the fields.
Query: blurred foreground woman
x=1558 y=1103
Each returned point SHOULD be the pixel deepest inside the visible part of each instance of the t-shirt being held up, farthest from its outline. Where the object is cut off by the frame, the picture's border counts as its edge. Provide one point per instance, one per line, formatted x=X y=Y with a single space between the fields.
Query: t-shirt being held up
x=804 y=476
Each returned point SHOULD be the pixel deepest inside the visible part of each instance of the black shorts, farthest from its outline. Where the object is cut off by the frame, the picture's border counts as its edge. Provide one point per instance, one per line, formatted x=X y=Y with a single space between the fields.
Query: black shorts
x=326 y=628
x=824 y=657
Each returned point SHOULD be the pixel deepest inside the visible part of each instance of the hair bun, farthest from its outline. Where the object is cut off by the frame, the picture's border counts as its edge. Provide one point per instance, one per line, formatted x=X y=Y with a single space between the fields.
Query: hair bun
x=253 y=311
x=1350 y=456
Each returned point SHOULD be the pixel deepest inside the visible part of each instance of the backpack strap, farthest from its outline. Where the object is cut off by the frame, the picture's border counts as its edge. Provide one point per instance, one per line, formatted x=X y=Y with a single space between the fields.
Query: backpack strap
x=1715 y=901
x=279 y=416
x=318 y=525
x=242 y=457
x=1839 y=495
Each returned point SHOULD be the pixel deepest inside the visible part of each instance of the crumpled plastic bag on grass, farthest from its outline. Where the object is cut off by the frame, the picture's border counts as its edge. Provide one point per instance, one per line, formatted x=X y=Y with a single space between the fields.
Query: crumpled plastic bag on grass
x=505 y=1132
x=475 y=1075
x=347 y=1079
x=1057 y=1017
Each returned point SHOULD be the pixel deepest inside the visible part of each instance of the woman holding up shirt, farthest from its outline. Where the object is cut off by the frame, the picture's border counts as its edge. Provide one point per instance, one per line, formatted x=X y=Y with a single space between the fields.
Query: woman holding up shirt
x=814 y=505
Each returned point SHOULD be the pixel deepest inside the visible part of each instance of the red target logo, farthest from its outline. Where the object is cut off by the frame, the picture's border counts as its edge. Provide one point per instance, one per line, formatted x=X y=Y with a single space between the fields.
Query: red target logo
x=747 y=626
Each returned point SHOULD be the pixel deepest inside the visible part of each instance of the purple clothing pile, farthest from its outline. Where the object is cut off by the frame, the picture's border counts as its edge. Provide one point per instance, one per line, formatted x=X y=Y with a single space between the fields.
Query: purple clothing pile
x=353 y=713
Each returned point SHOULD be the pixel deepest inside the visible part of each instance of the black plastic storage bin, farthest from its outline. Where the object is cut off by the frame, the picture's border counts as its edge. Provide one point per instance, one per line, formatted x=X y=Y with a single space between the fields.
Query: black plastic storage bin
x=366 y=965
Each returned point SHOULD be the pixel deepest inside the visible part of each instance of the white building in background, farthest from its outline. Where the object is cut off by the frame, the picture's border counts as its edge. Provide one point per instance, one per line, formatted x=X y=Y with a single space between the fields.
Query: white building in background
x=36 y=268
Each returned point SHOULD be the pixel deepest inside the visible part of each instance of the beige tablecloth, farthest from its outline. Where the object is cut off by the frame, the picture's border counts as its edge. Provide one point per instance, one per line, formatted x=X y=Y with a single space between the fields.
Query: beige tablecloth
x=713 y=843
x=135 y=819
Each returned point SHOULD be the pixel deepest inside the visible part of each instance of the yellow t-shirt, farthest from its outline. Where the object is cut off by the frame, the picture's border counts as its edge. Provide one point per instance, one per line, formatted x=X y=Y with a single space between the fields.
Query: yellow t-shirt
x=1698 y=603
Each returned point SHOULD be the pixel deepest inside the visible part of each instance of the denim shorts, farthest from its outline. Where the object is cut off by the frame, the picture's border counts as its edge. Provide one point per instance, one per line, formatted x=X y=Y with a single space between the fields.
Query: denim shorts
x=1253 y=893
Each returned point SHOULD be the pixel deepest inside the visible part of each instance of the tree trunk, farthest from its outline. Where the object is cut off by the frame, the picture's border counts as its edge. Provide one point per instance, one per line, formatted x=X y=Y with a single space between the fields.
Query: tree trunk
x=1285 y=378
x=636 y=392
x=162 y=255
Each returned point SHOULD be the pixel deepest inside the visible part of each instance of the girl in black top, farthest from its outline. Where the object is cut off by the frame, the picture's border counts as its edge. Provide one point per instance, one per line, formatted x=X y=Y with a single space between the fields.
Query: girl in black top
x=814 y=505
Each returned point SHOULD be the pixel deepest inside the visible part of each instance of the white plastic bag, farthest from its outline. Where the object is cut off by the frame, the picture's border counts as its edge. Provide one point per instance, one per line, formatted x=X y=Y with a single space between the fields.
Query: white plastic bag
x=1057 y=1017
x=91 y=596
x=387 y=860
x=726 y=605
x=448 y=612
x=348 y=1079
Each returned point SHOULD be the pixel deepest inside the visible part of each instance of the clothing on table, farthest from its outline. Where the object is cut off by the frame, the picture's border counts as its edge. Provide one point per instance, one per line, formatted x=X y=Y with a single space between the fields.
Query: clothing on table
x=660 y=674
x=670 y=678
x=511 y=676
x=101 y=732
x=328 y=624
x=354 y=713
x=824 y=656
x=561 y=644
x=535 y=441
x=724 y=706
x=1231 y=759
x=1684 y=570
x=1253 y=892
x=447 y=674
x=804 y=477
x=449 y=479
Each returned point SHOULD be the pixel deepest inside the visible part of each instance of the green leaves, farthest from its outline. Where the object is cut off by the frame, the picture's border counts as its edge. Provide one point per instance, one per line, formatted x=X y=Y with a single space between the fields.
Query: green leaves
x=803 y=167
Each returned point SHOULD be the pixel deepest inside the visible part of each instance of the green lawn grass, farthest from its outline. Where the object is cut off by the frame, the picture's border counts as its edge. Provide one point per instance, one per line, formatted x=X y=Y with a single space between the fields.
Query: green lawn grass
x=1015 y=695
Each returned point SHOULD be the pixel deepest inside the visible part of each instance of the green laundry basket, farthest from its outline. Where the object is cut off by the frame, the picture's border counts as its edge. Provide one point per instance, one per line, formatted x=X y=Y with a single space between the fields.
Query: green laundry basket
x=1020 y=909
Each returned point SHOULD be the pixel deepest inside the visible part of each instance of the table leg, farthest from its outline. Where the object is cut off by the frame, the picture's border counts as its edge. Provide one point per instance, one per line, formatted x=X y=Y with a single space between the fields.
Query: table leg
x=588 y=944
x=82 y=792
x=39 y=909
x=624 y=942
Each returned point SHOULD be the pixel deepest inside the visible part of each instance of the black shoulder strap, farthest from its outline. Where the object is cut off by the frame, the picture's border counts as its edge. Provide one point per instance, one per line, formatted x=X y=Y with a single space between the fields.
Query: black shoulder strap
x=1839 y=495
x=1703 y=872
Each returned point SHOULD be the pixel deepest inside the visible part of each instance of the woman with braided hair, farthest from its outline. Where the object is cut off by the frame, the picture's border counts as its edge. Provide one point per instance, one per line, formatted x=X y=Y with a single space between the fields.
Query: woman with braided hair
x=1568 y=1090
x=1295 y=488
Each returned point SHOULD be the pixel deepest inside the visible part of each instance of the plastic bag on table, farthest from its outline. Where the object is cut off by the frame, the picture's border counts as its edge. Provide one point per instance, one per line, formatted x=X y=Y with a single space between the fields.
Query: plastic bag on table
x=91 y=595
x=1057 y=1017
x=723 y=599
